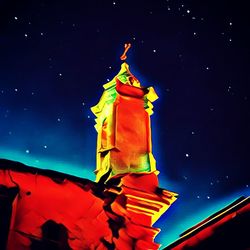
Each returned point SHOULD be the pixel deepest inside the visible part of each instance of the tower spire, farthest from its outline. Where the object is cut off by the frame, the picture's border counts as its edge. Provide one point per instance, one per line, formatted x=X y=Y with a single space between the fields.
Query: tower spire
x=125 y=161
x=123 y=125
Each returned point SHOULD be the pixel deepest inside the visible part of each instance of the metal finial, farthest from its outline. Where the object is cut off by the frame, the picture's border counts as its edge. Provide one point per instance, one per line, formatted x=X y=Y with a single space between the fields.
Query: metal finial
x=123 y=57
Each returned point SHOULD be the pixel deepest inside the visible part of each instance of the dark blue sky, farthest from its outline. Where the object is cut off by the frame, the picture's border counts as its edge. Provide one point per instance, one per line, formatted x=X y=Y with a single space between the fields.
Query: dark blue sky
x=56 y=55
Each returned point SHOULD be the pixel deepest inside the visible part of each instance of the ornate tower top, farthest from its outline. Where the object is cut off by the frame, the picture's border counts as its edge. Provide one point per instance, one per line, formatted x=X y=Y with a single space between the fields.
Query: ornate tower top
x=123 y=125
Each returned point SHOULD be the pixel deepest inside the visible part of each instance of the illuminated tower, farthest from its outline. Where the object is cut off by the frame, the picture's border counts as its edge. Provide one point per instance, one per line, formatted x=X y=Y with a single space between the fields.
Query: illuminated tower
x=125 y=161
x=123 y=126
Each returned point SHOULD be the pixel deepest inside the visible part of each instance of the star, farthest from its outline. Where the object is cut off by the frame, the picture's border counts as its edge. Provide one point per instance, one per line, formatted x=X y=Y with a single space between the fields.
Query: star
x=188 y=11
x=58 y=119
x=45 y=146
x=208 y=197
x=187 y=155
x=154 y=50
x=26 y=35
x=15 y=18
x=27 y=151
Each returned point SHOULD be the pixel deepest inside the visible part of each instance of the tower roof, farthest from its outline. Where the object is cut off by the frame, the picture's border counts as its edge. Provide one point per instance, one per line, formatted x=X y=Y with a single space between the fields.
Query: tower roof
x=125 y=76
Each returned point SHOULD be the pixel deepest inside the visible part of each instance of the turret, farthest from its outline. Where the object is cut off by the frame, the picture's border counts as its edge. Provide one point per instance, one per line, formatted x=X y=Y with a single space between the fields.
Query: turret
x=123 y=126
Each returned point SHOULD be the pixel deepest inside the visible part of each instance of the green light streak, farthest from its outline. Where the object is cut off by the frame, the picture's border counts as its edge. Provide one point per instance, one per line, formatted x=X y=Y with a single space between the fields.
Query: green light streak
x=167 y=236
x=44 y=163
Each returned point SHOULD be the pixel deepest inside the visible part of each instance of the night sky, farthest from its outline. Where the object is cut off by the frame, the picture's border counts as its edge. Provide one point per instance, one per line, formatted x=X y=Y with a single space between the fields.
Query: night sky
x=56 y=55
